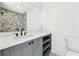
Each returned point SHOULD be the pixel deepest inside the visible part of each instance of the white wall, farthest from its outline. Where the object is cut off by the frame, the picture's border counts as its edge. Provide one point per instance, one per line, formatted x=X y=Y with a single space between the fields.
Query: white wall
x=33 y=11
x=61 y=19
x=34 y=20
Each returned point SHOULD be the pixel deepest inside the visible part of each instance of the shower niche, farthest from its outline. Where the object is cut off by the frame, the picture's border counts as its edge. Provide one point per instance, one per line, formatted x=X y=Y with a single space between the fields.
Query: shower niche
x=11 y=20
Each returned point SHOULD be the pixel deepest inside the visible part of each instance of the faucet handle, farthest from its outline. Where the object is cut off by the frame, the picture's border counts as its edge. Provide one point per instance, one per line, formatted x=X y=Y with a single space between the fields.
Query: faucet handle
x=24 y=33
x=16 y=34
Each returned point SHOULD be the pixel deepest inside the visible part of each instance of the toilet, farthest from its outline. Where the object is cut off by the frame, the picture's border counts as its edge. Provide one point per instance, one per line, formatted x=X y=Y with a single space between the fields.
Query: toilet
x=72 y=45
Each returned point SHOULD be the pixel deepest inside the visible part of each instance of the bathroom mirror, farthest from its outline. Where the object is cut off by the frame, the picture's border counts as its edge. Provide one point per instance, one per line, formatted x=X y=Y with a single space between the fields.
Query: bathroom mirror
x=11 y=20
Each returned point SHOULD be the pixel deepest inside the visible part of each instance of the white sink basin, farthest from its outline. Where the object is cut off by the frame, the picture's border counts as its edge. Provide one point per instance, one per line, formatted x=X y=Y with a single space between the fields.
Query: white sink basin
x=24 y=36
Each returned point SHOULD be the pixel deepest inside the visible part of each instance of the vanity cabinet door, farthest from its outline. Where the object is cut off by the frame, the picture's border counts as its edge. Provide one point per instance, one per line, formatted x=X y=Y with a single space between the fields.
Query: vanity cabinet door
x=30 y=48
x=0 y=52
x=24 y=49
x=37 y=47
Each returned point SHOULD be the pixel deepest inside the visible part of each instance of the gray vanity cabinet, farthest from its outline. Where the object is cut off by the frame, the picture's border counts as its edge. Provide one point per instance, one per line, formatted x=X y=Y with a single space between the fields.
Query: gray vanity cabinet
x=30 y=48
x=0 y=52
x=38 y=47
x=24 y=49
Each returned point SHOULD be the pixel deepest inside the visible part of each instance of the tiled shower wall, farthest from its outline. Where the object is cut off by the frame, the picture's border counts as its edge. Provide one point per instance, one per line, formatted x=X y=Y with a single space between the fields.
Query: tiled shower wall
x=11 y=20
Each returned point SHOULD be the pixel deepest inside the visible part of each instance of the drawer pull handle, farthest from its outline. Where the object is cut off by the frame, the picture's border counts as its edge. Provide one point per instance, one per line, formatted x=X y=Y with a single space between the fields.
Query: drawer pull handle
x=29 y=43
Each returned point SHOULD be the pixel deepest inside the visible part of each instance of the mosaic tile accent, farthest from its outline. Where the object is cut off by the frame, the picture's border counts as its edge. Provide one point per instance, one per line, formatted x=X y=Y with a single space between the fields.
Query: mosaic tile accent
x=10 y=20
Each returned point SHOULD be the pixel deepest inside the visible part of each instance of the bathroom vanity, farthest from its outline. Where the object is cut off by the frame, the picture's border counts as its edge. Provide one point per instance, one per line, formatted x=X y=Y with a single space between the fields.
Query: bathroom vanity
x=34 y=44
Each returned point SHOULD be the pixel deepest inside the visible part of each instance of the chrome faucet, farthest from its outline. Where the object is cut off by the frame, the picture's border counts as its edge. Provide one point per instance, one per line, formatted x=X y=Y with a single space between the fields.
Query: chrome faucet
x=22 y=31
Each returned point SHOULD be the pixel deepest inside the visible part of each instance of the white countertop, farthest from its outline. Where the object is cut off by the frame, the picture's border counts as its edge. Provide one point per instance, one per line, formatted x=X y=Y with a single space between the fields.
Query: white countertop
x=9 y=39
